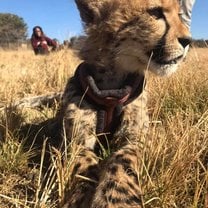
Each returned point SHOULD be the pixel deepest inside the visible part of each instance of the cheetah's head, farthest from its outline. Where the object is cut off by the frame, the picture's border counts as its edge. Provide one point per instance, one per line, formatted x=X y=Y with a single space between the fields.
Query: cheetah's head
x=131 y=35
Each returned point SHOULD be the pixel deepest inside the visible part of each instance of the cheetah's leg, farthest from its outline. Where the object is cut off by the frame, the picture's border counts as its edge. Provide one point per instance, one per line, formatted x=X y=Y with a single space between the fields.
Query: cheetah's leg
x=84 y=180
x=119 y=183
x=79 y=127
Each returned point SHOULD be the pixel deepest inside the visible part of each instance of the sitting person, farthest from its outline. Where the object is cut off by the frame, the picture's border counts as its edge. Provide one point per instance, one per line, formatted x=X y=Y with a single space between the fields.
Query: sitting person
x=40 y=42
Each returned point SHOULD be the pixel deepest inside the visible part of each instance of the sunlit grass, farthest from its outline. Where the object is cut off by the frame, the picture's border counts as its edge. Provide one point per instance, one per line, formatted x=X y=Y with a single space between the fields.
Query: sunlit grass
x=175 y=155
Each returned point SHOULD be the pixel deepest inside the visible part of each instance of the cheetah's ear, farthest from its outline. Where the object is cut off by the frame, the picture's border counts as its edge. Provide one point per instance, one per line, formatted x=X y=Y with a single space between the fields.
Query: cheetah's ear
x=89 y=10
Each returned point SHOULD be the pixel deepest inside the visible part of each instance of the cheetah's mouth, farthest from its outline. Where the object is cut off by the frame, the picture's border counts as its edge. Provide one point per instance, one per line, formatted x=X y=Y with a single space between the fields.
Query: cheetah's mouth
x=169 y=62
x=164 y=67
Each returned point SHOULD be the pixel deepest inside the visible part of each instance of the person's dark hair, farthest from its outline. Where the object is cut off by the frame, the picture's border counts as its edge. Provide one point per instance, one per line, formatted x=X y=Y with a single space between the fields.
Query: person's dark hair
x=40 y=28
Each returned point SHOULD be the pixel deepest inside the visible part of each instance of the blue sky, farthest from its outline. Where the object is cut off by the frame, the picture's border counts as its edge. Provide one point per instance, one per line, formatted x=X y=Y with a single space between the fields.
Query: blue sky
x=60 y=19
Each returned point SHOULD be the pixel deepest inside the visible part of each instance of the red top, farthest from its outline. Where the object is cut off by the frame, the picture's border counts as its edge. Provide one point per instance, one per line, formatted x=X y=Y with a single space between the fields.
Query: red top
x=40 y=44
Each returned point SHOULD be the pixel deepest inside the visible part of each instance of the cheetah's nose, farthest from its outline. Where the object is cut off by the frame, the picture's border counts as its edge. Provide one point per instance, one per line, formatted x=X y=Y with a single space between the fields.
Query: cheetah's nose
x=184 y=41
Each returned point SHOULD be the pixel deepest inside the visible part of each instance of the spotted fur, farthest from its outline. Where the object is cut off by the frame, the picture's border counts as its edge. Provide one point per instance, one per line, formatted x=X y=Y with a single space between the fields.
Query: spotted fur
x=123 y=37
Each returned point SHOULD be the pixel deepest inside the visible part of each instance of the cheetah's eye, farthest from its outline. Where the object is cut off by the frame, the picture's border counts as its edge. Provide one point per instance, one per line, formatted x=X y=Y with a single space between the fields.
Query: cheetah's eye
x=157 y=12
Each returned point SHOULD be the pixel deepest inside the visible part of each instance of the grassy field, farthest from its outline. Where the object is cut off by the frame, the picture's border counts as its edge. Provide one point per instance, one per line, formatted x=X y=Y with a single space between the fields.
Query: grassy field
x=175 y=154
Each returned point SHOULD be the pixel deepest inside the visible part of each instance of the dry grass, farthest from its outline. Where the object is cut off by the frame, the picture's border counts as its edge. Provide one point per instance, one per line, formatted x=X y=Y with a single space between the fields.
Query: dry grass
x=175 y=154
x=23 y=74
x=176 y=158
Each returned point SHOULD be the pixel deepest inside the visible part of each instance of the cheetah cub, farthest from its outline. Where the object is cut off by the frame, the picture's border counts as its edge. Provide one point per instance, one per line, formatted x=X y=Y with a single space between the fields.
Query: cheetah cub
x=104 y=103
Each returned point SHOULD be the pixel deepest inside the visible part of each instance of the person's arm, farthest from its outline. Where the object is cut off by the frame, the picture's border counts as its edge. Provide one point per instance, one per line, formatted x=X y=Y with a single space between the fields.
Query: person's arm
x=35 y=43
x=51 y=42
